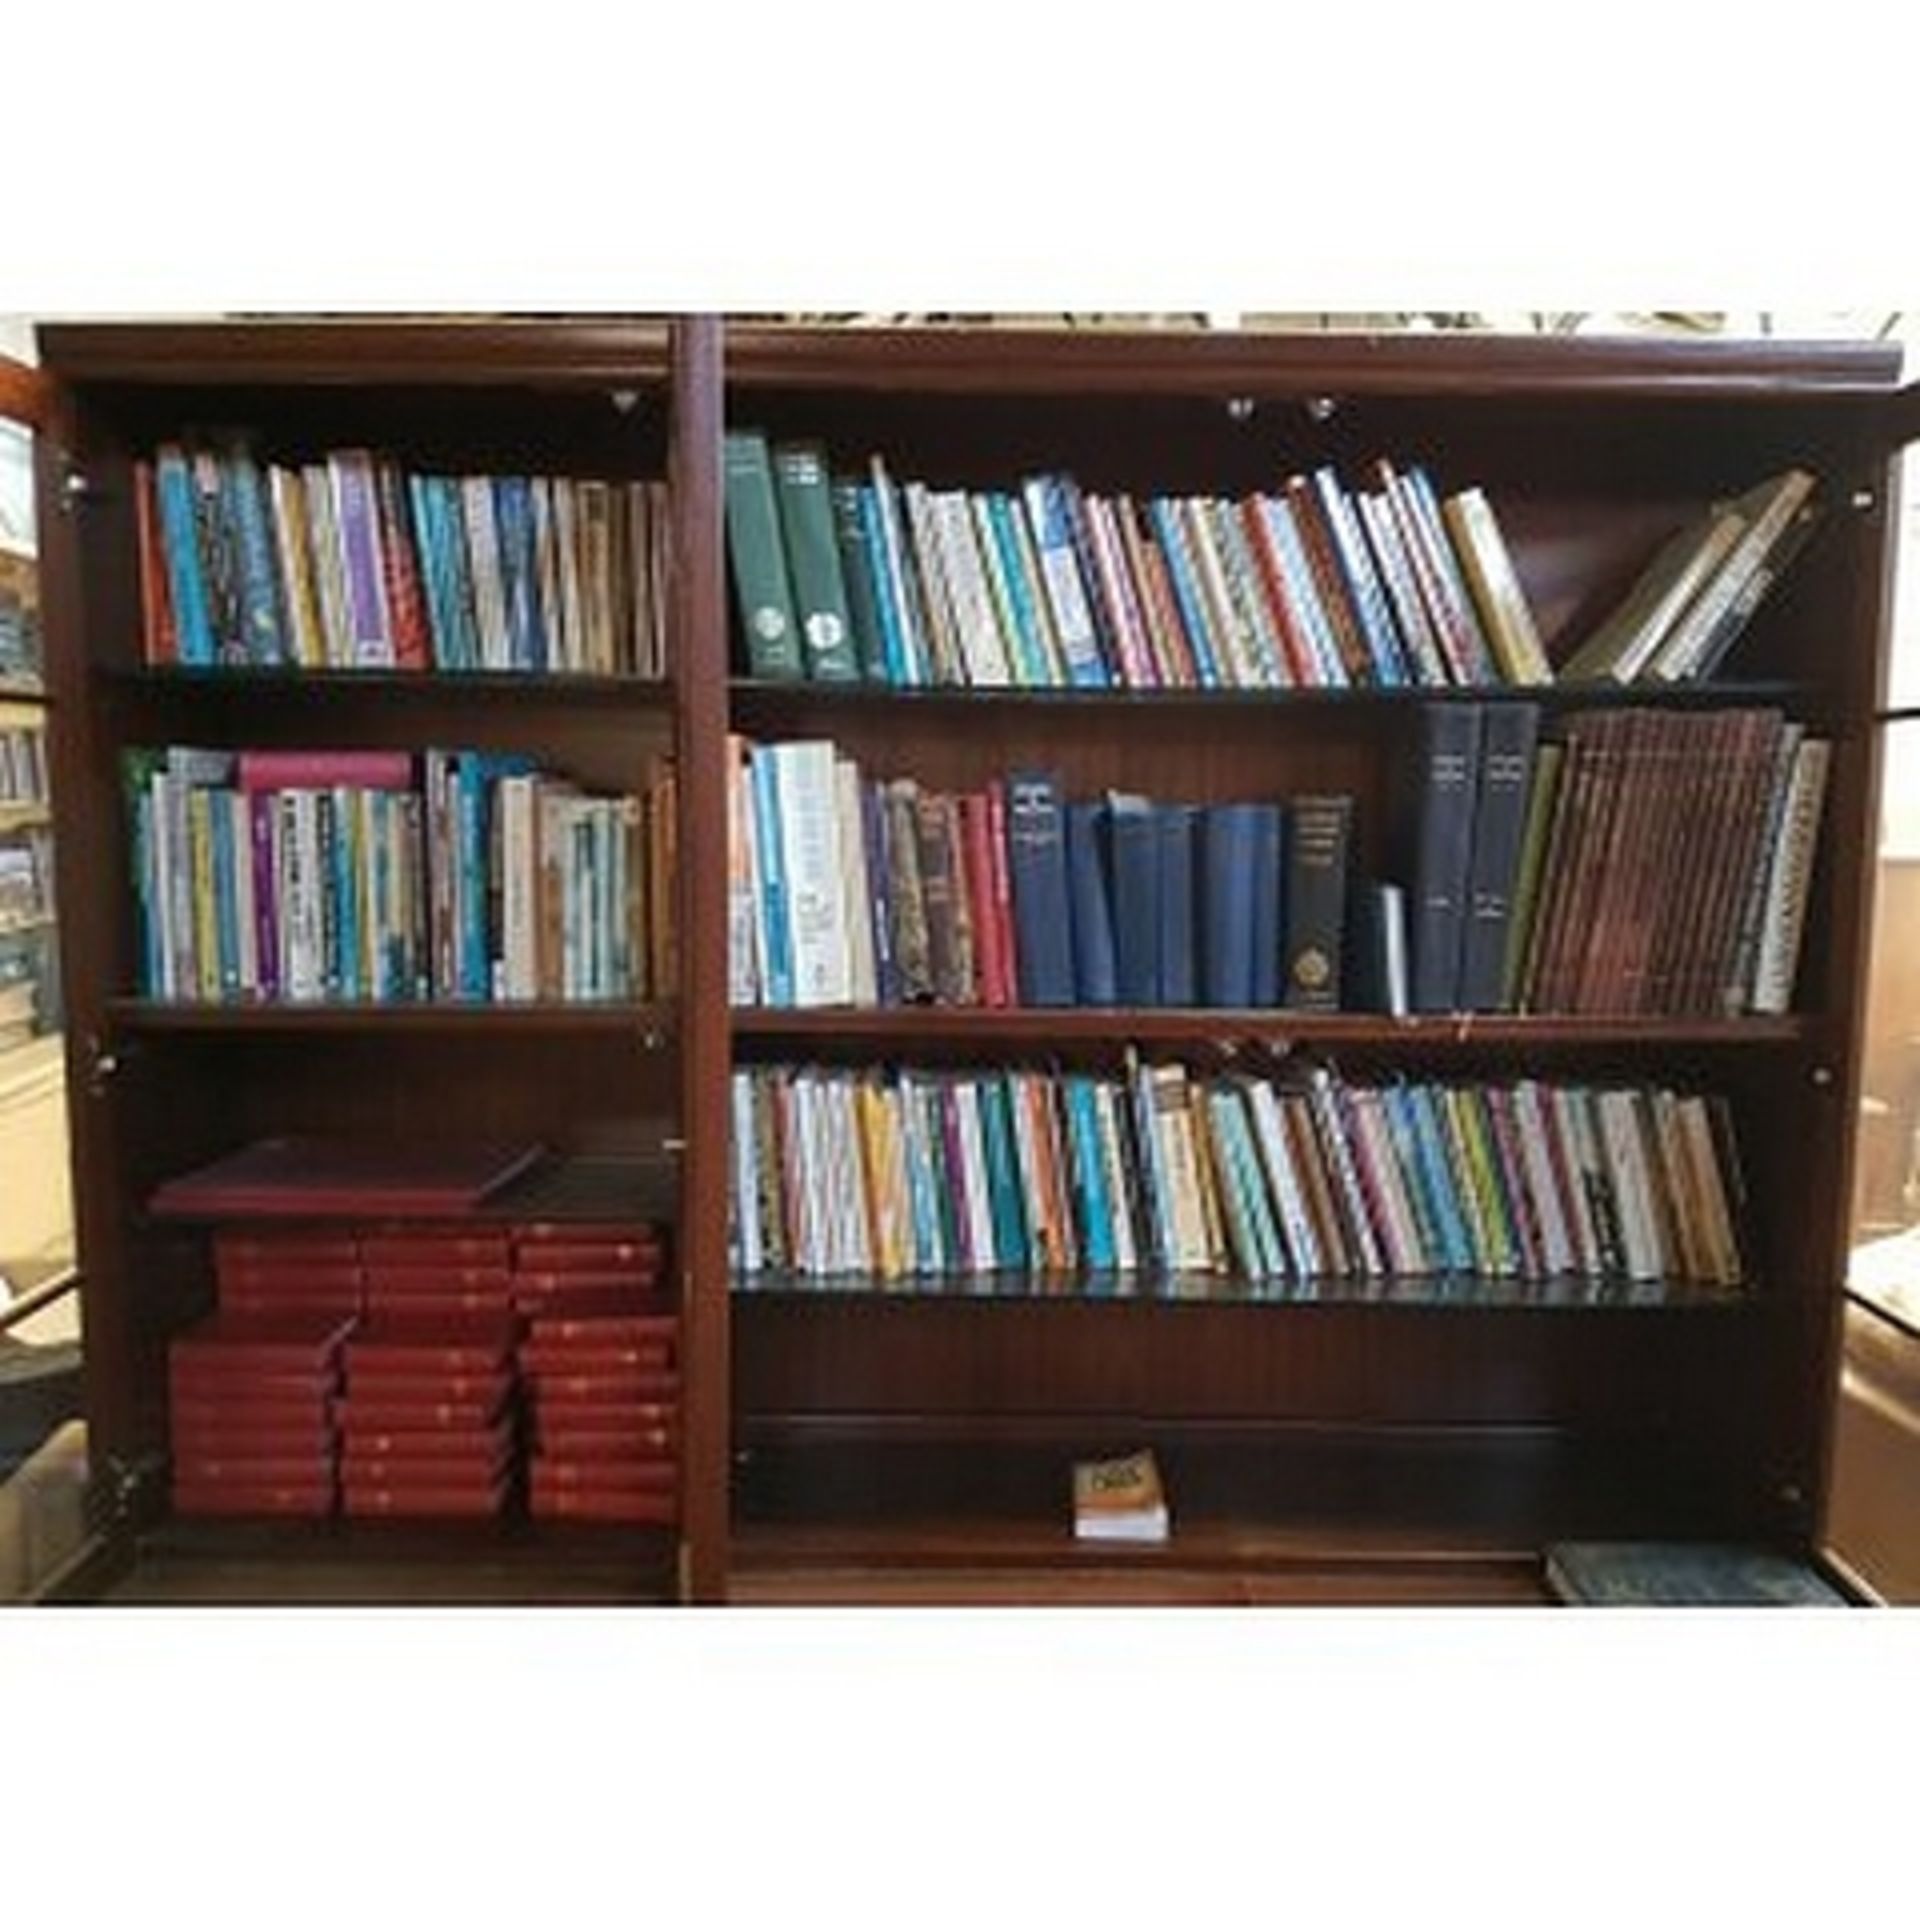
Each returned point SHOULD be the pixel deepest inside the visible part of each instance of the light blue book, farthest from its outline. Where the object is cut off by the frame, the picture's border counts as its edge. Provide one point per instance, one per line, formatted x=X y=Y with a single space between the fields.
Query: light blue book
x=192 y=617
x=1186 y=591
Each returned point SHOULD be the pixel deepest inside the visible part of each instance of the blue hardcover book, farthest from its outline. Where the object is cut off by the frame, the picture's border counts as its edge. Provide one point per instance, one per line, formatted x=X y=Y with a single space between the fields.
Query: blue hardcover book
x=1093 y=959
x=764 y=782
x=1179 y=975
x=1228 y=883
x=1133 y=866
x=1090 y=1174
x=1268 y=930
x=1676 y=1573
x=1037 y=862
x=192 y=614
x=1186 y=590
x=263 y=622
x=1003 y=1176
x=891 y=639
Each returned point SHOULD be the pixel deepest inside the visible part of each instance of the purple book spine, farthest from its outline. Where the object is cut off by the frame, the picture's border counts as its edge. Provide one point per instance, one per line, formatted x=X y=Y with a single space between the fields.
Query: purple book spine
x=355 y=504
x=266 y=898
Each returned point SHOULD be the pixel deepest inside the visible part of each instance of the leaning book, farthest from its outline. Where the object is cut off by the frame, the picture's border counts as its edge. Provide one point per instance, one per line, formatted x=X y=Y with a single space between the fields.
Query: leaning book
x=1119 y=1500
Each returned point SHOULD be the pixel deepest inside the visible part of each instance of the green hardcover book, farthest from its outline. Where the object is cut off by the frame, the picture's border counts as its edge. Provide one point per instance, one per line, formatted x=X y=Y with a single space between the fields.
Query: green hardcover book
x=760 y=581
x=801 y=485
x=857 y=569
x=1527 y=881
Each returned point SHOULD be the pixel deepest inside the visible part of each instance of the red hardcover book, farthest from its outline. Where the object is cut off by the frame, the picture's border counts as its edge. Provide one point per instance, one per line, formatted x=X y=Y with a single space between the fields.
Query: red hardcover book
x=575 y=1443
x=977 y=865
x=630 y=1385
x=295 y=1246
x=432 y=1309
x=260 y=1274
x=423 y=1503
x=254 y=1423
x=393 y=1250
x=652 y=1508
x=399 y=1281
x=294 y=1471
x=427 y=1443
x=585 y=1233
x=539 y=1362
x=406 y=604
x=290 y=1176
x=397 y=1417
x=429 y=1351
x=159 y=638
x=1329 y=581
x=430 y=1383
x=602 y=1419
x=1002 y=890
x=591 y=1329
x=273 y=770
x=561 y=1293
x=606 y=1476
x=245 y=1303
x=397 y=1470
x=284 y=1343
x=226 y=1501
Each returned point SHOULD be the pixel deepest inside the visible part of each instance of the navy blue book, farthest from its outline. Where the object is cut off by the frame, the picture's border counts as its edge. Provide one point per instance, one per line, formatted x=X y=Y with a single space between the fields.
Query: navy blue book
x=1269 y=932
x=1133 y=866
x=1037 y=865
x=1447 y=774
x=1228 y=883
x=1094 y=974
x=1179 y=916
x=1508 y=736
x=1634 y=1573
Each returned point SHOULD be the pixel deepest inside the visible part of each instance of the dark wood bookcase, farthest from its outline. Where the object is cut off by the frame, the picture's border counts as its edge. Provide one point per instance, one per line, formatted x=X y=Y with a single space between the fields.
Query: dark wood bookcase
x=924 y=1432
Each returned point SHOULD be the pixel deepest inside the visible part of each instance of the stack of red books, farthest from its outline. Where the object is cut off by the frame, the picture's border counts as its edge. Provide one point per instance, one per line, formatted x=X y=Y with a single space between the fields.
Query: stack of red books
x=437 y=1273
x=600 y=1363
x=252 y=1407
x=429 y=1416
x=287 y=1269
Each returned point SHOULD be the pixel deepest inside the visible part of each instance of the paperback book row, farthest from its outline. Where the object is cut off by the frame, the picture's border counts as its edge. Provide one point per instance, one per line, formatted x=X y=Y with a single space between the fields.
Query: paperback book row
x=23 y=763
x=352 y=560
x=1632 y=861
x=845 y=577
x=898 y=1173
x=374 y=876
x=431 y=1372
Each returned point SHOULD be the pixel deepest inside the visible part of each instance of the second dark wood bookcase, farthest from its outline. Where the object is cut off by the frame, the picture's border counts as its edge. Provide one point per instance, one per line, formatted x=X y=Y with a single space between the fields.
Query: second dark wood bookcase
x=844 y=1431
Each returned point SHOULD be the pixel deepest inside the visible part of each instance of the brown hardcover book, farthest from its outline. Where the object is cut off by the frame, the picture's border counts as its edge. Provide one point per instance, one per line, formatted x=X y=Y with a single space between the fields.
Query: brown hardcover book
x=1329 y=583
x=1594 y=985
x=939 y=888
x=1573 y=815
x=159 y=637
x=1652 y=847
x=1702 y=742
x=906 y=899
x=1741 y=831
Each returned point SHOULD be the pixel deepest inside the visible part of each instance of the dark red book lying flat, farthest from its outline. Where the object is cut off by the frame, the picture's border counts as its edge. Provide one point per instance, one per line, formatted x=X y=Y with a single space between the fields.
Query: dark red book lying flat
x=277 y=1428
x=390 y=1415
x=624 y=1259
x=603 y=1416
x=435 y=1247
x=424 y=1503
x=468 y=1345
x=627 y=1386
x=295 y=1472
x=428 y=1443
x=595 y=1327
x=604 y=1476
x=399 y=1470
x=231 y=1502
x=294 y=1177
x=281 y=1343
x=606 y=1444
x=591 y=1293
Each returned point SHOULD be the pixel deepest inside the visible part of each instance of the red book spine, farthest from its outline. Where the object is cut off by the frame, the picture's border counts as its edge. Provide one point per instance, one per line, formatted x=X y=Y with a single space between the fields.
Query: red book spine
x=1294 y=643
x=406 y=605
x=631 y=1385
x=606 y=1476
x=580 y=1443
x=481 y=1474
x=159 y=637
x=601 y=1329
x=468 y=1249
x=291 y=1248
x=572 y=1361
x=977 y=869
x=1329 y=583
x=569 y=1292
x=1002 y=892
x=293 y=1470
x=213 y=1500
x=585 y=1503
x=438 y=1277
x=570 y=1233
x=269 y=770
x=601 y=1420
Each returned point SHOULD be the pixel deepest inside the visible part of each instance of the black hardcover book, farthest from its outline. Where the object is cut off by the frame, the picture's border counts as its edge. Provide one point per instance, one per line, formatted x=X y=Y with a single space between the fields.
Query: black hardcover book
x=1507 y=740
x=1447 y=776
x=1319 y=847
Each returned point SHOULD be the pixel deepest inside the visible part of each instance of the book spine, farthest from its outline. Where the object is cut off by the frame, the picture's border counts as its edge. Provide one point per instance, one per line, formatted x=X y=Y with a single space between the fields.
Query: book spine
x=1448 y=773
x=1228 y=888
x=173 y=483
x=1052 y=531
x=1037 y=863
x=1174 y=825
x=854 y=538
x=1095 y=977
x=762 y=587
x=1509 y=734
x=1320 y=853
x=820 y=597
x=1790 y=879
x=1134 y=848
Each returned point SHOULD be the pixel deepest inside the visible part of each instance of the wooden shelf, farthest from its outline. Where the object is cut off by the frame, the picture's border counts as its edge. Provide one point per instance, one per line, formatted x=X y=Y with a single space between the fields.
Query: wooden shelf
x=774 y=698
x=338 y=683
x=505 y=1562
x=653 y=1022
x=1044 y=1027
x=1398 y=1292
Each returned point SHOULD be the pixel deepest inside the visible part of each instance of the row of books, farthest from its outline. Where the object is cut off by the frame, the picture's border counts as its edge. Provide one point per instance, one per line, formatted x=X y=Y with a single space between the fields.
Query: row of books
x=352 y=560
x=1635 y=861
x=1314 y=585
x=23 y=765
x=20 y=647
x=882 y=892
x=373 y=876
x=26 y=880
x=426 y=1401
x=896 y=1173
